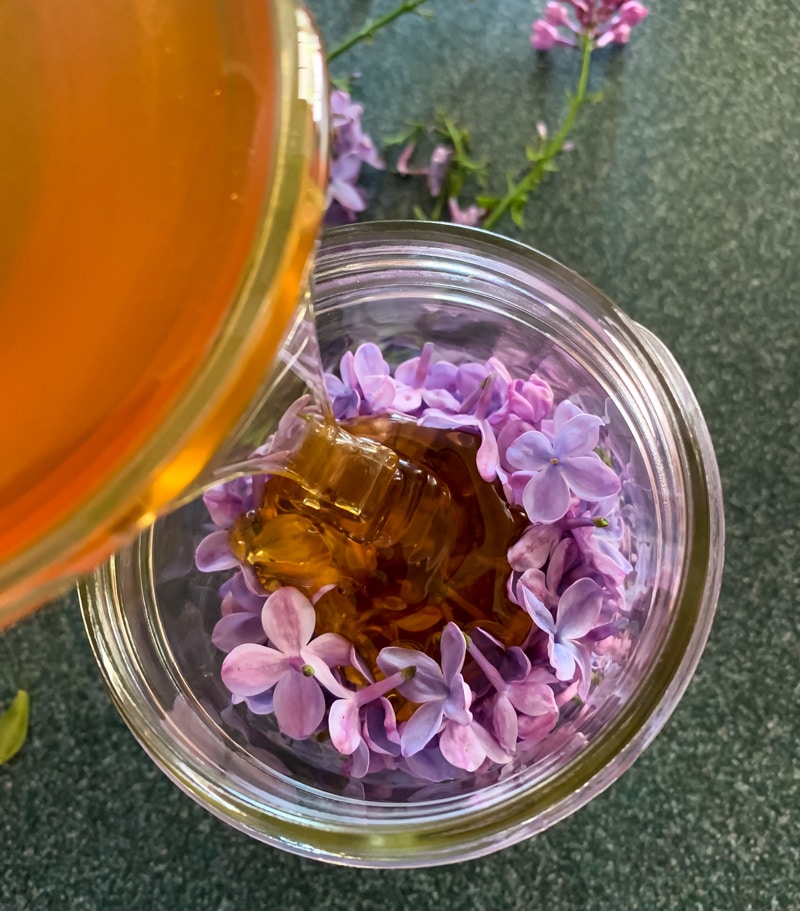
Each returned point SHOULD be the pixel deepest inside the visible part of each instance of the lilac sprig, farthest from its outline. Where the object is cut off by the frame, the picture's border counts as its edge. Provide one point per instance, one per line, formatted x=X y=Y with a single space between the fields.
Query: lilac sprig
x=586 y=25
x=481 y=702
x=351 y=148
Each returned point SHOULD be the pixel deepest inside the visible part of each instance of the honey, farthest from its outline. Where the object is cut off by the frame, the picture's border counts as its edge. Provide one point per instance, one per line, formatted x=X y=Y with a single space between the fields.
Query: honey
x=429 y=546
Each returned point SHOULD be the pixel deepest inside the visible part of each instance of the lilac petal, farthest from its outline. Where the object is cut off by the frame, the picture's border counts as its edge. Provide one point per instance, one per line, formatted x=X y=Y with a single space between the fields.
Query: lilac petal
x=533 y=728
x=453 y=647
x=426 y=685
x=534 y=580
x=533 y=548
x=406 y=373
x=244 y=598
x=368 y=361
x=456 y=706
x=347 y=196
x=532 y=698
x=579 y=609
x=288 y=619
x=406 y=400
x=262 y=704
x=381 y=727
x=332 y=648
x=589 y=477
x=530 y=452
x=540 y=615
x=505 y=723
x=250 y=669
x=430 y=765
x=578 y=436
x=517 y=483
x=344 y=725
x=487 y=457
x=461 y=747
x=490 y=746
x=440 y=399
x=562 y=559
x=583 y=660
x=546 y=496
x=237 y=629
x=565 y=412
x=347 y=369
x=214 y=553
x=228 y=501
x=299 y=705
x=359 y=761
x=379 y=391
x=420 y=728
x=514 y=665
x=562 y=658
x=323 y=675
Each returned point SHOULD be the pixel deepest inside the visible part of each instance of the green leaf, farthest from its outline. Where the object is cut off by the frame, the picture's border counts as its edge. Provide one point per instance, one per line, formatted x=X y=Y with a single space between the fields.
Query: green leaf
x=488 y=202
x=516 y=213
x=420 y=214
x=14 y=727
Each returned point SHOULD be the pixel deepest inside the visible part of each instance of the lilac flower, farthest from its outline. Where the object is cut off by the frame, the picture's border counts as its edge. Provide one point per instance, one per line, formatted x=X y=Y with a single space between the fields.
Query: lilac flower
x=230 y=500
x=467 y=745
x=471 y=216
x=241 y=616
x=351 y=148
x=528 y=695
x=410 y=379
x=353 y=727
x=295 y=666
x=562 y=466
x=437 y=171
x=487 y=458
x=214 y=553
x=577 y=614
x=603 y=22
x=441 y=691
x=374 y=379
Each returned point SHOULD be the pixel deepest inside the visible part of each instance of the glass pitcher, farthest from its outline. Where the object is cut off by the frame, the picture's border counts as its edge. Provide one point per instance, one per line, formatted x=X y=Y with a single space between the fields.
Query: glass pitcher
x=163 y=166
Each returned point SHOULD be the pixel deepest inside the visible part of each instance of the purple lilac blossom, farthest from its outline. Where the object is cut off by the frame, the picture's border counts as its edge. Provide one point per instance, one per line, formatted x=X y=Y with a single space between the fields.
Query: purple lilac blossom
x=351 y=148
x=294 y=667
x=603 y=22
x=483 y=703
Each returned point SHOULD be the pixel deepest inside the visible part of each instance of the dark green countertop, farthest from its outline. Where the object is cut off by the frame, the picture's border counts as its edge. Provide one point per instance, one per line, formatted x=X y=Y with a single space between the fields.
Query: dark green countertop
x=682 y=202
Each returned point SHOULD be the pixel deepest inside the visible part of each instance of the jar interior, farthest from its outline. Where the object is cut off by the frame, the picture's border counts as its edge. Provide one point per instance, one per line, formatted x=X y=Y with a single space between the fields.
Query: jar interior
x=467 y=320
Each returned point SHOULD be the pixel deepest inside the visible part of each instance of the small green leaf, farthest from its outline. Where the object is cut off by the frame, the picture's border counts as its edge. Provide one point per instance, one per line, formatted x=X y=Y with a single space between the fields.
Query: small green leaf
x=420 y=214
x=516 y=214
x=14 y=727
x=488 y=202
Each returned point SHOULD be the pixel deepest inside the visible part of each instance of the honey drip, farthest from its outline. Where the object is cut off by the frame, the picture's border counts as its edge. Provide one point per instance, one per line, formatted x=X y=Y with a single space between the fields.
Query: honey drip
x=404 y=531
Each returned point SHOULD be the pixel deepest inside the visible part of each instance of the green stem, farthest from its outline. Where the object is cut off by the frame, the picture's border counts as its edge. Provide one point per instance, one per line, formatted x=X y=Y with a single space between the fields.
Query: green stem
x=372 y=27
x=553 y=148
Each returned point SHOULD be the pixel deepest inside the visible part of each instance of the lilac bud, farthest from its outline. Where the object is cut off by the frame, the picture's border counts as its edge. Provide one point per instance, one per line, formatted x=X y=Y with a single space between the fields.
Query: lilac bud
x=544 y=36
x=632 y=12
x=555 y=14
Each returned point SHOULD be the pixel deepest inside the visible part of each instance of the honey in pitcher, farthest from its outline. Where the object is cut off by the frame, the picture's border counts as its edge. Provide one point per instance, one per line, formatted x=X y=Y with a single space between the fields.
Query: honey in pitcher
x=136 y=155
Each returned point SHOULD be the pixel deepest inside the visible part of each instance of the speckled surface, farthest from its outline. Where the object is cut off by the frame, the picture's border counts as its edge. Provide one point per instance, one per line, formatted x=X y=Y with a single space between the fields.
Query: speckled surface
x=682 y=202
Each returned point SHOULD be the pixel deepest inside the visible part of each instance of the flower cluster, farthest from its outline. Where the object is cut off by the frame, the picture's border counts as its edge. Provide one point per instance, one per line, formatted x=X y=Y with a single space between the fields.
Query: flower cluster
x=602 y=22
x=477 y=702
x=351 y=147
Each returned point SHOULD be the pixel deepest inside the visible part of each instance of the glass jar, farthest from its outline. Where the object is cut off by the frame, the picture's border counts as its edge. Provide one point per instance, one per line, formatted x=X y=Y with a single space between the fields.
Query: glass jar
x=163 y=169
x=149 y=611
